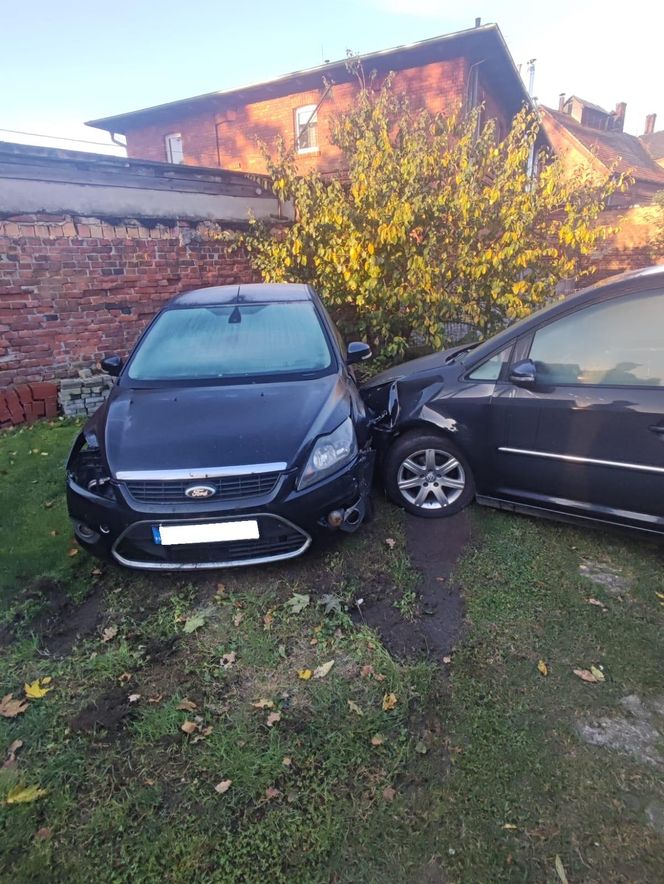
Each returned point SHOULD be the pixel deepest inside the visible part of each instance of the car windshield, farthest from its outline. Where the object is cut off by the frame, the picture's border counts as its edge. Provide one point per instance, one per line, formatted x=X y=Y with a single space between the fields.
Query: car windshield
x=237 y=340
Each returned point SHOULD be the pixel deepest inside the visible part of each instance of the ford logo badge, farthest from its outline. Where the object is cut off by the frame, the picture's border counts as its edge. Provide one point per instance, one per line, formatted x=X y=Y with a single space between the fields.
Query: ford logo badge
x=199 y=492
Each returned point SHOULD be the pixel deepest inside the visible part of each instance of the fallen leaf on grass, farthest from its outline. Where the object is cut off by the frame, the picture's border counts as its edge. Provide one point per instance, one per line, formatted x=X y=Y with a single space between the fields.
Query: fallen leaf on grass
x=322 y=670
x=447 y=659
x=304 y=674
x=377 y=740
x=24 y=794
x=134 y=698
x=124 y=678
x=588 y=675
x=597 y=604
x=96 y=572
x=109 y=633
x=203 y=733
x=72 y=552
x=37 y=689
x=421 y=748
x=191 y=624
x=367 y=671
x=10 y=760
x=297 y=602
x=48 y=504
x=508 y=826
x=10 y=707
x=43 y=834
x=186 y=705
x=271 y=793
x=560 y=870
x=389 y=702
x=273 y=718
x=268 y=619
x=542 y=668
x=228 y=659
x=221 y=589
x=239 y=617
x=352 y=705
x=263 y=703
x=189 y=727
x=156 y=699
x=390 y=542
x=599 y=675
x=223 y=786
x=389 y=793
x=286 y=761
x=330 y=603
x=379 y=676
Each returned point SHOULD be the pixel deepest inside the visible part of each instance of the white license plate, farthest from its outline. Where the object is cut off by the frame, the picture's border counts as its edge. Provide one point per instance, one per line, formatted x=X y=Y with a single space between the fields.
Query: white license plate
x=212 y=532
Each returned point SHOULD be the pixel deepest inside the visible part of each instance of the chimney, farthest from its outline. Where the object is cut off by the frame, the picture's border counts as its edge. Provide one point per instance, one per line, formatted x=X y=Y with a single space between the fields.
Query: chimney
x=650 y=124
x=478 y=22
x=561 y=102
x=619 y=118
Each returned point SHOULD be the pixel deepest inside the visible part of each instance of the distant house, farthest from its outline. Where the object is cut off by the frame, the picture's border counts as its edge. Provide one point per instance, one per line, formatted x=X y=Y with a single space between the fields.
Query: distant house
x=654 y=141
x=585 y=135
x=459 y=70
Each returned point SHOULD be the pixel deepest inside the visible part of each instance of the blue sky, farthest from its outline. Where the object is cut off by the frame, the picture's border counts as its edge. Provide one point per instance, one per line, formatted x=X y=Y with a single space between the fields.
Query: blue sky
x=65 y=62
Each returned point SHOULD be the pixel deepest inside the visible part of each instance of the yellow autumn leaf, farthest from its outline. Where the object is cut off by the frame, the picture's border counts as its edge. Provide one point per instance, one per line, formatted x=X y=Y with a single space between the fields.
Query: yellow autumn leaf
x=37 y=688
x=352 y=705
x=24 y=794
x=389 y=702
x=542 y=667
x=599 y=675
x=304 y=674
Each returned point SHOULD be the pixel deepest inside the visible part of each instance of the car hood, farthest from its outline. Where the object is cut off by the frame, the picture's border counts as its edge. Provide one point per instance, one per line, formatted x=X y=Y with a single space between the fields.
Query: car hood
x=212 y=426
x=433 y=363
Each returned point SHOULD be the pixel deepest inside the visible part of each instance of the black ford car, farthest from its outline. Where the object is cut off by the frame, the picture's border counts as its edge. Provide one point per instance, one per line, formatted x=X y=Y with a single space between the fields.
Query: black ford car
x=234 y=432
x=561 y=415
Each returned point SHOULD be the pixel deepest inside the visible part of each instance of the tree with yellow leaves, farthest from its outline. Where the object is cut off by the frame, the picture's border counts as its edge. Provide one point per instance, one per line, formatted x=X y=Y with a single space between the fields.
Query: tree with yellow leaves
x=435 y=221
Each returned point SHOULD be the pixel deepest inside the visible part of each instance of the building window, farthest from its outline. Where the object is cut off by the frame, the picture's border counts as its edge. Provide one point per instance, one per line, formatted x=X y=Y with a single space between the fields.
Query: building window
x=306 y=129
x=174 y=151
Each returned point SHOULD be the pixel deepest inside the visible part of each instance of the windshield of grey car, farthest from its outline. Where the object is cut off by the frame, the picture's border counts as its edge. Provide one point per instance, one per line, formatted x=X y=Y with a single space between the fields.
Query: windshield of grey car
x=235 y=340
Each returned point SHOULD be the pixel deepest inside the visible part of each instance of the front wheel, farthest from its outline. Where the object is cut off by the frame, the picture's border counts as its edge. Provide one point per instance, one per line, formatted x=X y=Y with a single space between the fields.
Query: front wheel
x=428 y=475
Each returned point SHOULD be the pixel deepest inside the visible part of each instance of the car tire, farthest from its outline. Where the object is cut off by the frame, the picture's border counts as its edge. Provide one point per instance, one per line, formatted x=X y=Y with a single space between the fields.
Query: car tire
x=428 y=475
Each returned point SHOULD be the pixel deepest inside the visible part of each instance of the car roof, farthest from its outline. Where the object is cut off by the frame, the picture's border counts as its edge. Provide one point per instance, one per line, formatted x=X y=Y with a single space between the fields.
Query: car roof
x=256 y=292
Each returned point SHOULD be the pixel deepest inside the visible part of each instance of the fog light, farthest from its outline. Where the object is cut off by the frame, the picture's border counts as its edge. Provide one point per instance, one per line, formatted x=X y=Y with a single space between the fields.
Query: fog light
x=335 y=518
x=85 y=533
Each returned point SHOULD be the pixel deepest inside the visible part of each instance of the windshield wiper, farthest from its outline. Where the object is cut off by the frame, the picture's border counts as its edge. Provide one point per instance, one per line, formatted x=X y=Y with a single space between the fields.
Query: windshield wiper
x=453 y=357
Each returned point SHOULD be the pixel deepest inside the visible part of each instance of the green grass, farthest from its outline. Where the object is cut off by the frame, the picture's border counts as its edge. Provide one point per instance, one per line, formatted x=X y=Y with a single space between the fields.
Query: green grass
x=491 y=781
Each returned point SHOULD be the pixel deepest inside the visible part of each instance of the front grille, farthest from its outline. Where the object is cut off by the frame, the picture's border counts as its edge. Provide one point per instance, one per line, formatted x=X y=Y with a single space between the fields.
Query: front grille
x=278 y=540
x=226 y=488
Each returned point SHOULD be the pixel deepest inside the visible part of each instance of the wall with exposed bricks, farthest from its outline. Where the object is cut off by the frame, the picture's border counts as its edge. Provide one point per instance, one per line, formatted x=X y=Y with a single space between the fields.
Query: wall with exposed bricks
x=27 y=402
x=228 y=136
x=75 y=289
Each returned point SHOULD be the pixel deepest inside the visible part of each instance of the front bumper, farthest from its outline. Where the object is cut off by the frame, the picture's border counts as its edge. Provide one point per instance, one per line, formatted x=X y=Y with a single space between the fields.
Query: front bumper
x=120 y=527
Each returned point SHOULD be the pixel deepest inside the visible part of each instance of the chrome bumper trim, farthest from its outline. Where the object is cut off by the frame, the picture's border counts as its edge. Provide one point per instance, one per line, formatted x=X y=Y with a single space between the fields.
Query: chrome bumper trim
x=203 y=566
x=198 y=472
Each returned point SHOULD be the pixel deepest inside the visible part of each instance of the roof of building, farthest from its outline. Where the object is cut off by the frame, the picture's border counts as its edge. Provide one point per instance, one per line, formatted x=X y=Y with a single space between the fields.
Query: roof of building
x=618 y=151
x=588 y=104
x=484 y=44
x=654 y=144
x=257 y=293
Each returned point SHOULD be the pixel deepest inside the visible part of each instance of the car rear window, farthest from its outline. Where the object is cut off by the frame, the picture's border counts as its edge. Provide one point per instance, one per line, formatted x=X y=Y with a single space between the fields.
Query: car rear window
x=235 y=340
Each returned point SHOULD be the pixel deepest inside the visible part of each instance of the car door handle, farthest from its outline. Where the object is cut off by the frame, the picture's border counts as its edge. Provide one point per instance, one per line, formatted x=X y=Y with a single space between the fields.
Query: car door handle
x=657 y=428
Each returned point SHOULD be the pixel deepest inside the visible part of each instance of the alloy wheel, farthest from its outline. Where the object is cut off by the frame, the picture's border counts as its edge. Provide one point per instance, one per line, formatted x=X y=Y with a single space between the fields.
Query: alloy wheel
x=431 y=479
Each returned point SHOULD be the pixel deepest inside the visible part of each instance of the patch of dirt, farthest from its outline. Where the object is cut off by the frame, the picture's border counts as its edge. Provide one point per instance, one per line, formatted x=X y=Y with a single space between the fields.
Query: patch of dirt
x=107 y=711
x=434 y=547
x=640 y=733
x=63 y=622
x=612 y=579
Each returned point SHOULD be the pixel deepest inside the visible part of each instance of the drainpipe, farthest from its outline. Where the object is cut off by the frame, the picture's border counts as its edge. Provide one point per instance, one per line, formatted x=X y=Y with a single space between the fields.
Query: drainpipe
x=114 y=139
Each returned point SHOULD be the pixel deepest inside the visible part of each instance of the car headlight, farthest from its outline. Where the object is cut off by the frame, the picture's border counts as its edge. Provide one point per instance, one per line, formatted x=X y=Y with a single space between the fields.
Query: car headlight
x=330 y=453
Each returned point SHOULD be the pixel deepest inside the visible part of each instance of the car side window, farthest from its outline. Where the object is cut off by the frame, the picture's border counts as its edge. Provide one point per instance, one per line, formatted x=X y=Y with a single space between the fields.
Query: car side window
x=615 y=343
x=490 y=369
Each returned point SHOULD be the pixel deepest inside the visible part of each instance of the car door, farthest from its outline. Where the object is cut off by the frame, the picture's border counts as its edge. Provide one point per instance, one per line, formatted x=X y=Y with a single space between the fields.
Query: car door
x=585 y=435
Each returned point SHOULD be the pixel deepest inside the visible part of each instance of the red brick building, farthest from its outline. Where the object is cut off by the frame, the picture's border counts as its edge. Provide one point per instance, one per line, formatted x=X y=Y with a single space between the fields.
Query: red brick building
x=463 y=69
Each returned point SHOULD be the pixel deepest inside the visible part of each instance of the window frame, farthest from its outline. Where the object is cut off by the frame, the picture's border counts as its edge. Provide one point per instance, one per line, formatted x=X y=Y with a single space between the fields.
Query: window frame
x=311 y=117
x=524 y=346
x=169 y=148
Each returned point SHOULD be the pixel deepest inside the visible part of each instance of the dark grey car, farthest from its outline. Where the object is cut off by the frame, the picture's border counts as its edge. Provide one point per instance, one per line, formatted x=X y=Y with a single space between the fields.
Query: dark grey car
x=562 y=414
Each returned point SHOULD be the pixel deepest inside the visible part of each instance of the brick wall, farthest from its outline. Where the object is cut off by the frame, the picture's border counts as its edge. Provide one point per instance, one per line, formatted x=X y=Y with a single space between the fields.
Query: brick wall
x=227 y=137
x=75 y=289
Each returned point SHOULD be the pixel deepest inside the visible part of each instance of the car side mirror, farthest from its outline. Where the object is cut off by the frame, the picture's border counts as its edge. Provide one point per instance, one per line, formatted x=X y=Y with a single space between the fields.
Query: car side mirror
x=524 y=373
x=111 y=365
x=358 y=351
